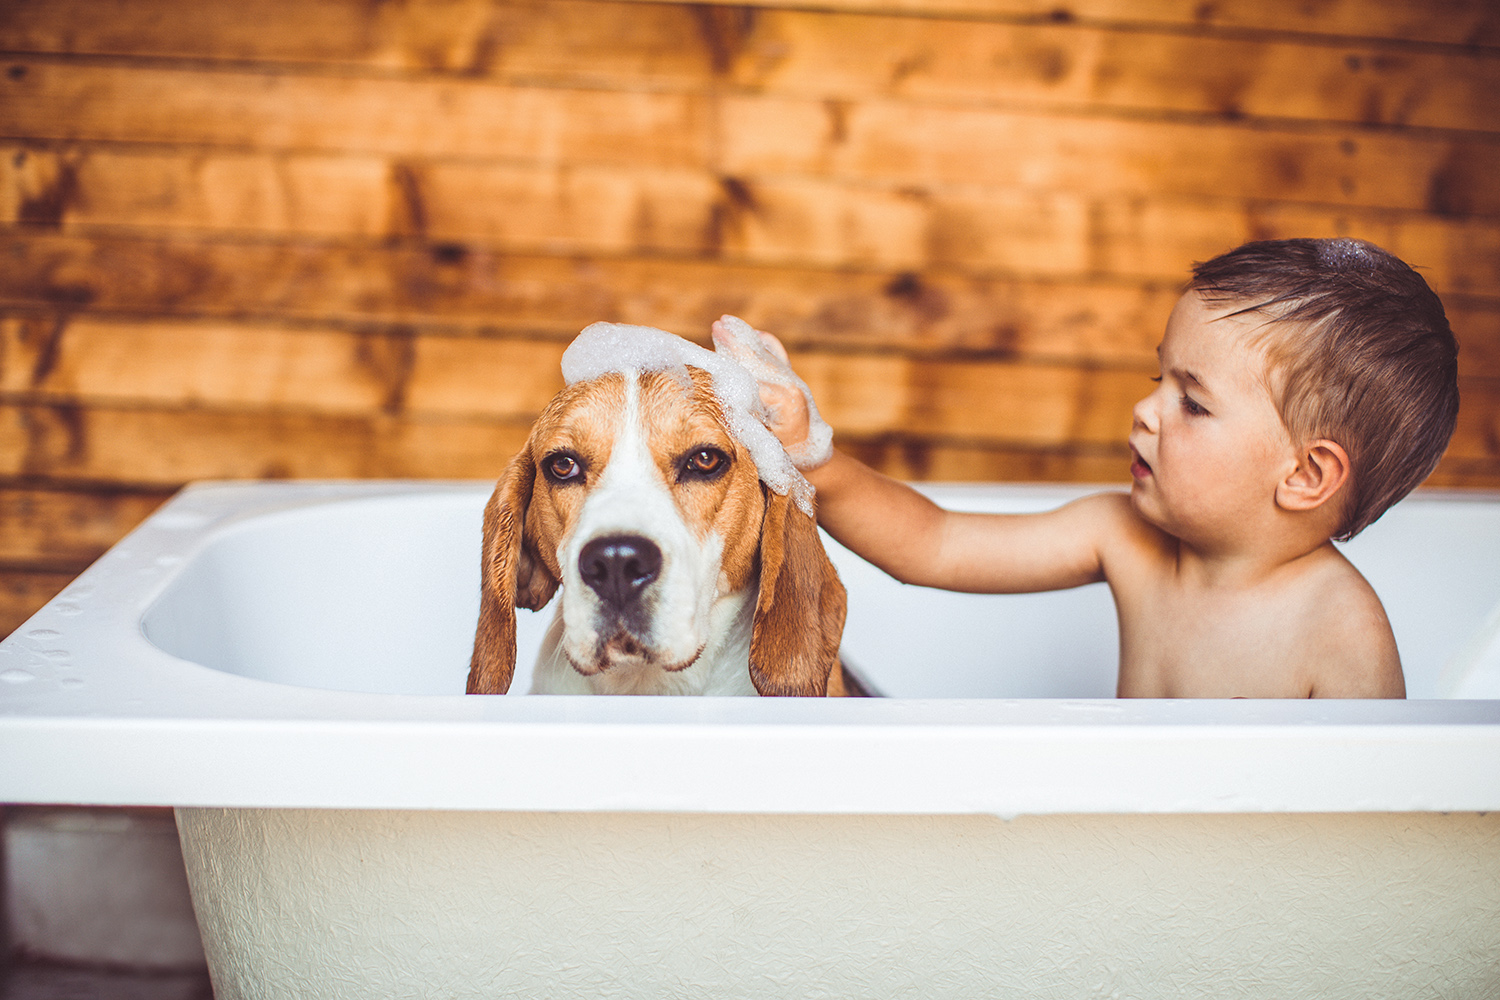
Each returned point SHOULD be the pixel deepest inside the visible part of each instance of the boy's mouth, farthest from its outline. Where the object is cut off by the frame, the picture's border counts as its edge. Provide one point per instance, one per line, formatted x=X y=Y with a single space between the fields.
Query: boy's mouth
x=1138 y=467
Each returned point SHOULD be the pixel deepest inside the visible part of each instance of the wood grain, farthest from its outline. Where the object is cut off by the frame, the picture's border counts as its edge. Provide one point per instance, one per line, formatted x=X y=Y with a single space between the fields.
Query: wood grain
x=797 y=222
x=23 y=591
x=236 y=366
x=1029 y=61
x=482 y=290
x=440 y=117
x=890 y=141
x=1460 y=22
x=905 y=143
x=167 y=448
x=67 y=529
x=388 y=290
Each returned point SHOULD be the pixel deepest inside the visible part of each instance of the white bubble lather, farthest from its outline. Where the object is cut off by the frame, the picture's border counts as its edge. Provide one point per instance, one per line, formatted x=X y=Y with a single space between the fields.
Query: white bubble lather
x=617 y=348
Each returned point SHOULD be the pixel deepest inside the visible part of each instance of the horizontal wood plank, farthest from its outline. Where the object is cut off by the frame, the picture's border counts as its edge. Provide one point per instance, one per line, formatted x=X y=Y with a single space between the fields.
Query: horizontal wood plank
x=23 y=592
x=67 y=529
x=284 y=372
x=665 y=40
x=1463 y=474
x=892 y=142
x=905 y=143
x=1066 y=66
x=1462 y=22
x=450 y=118
x=577 y=41
x=481 y=290
x=168 y=448
x=841 y=55
x=400 y=290
x=808 y=222
x=237 y=366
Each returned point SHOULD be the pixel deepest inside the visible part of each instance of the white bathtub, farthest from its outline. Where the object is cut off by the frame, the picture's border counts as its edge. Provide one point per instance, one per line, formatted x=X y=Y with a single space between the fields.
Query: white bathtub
x=283 y=663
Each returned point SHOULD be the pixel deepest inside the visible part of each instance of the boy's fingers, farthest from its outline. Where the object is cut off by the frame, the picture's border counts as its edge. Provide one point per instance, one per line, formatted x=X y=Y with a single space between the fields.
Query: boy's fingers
x=775 y=346
x=790 y=411
x=781 y=399
x=787 y=412
x=760 y=353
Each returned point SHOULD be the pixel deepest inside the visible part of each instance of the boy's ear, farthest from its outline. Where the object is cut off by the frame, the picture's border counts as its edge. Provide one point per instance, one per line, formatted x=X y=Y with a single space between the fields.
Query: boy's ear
x=1322 y=470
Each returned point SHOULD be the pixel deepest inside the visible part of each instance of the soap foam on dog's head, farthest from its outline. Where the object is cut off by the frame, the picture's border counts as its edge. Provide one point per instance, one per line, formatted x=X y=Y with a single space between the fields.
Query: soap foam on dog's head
x=615 y=348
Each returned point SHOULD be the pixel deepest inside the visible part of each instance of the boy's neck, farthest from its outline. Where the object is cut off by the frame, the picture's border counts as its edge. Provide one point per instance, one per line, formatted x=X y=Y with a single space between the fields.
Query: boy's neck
x=1259 y=557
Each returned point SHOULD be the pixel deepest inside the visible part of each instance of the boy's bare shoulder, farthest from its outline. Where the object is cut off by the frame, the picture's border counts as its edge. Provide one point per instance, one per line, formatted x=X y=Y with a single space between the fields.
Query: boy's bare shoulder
x=1125 y=538
x=1110 y=511
x=1353 y=649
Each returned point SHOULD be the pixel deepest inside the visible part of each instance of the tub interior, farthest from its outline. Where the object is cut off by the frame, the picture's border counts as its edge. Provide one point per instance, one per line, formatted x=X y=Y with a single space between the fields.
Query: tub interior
x=381 y=595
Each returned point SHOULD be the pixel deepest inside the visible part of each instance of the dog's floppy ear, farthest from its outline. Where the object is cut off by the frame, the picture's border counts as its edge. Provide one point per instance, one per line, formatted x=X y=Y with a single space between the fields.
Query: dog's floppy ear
x=799 y=618
x=511 y=576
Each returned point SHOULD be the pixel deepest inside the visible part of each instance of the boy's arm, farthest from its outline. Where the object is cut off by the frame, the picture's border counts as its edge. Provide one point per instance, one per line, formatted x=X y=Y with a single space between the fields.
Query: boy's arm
x=916 y=541
x=901 y=531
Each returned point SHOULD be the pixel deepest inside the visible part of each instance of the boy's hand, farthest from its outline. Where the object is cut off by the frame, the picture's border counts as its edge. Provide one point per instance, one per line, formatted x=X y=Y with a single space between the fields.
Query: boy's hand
x=790 y=413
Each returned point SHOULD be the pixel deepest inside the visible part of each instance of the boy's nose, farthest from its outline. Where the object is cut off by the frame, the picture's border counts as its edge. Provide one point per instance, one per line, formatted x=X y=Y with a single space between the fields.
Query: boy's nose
x=1144 y=414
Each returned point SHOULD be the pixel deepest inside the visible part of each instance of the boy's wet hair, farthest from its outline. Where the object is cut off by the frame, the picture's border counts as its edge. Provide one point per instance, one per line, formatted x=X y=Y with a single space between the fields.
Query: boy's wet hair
x=1359 y=351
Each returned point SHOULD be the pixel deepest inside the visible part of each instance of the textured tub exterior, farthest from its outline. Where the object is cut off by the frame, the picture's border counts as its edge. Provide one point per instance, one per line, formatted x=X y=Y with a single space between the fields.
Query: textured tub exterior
x=329 y=904
x=282 y=663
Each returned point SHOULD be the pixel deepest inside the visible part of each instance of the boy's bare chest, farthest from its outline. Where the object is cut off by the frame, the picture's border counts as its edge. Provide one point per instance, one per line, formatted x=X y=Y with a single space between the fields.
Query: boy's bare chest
x=1180 y=643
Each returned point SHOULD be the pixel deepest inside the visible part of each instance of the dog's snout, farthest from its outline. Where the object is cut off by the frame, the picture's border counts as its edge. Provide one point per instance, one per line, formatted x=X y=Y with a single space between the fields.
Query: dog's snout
x=618 y=567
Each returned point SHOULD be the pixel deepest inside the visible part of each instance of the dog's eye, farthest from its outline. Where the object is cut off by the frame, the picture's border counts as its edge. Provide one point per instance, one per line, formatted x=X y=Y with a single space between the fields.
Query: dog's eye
x=562 y=467
x=705 y=463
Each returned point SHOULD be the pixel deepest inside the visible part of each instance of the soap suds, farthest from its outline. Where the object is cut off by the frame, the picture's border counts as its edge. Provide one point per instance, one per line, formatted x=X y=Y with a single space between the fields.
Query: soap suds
x=616 y=348
x=741 y=341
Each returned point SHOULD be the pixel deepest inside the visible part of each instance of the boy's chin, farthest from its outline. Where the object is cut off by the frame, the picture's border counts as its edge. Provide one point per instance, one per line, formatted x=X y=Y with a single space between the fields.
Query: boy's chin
x=1146 y=506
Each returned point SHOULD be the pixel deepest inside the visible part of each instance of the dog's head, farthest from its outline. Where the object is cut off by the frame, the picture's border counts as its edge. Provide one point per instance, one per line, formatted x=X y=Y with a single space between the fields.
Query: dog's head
x=633 y=496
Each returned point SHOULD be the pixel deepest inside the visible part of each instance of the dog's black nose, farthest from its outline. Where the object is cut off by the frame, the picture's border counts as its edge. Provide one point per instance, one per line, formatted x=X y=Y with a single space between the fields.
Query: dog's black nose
x=618 y=567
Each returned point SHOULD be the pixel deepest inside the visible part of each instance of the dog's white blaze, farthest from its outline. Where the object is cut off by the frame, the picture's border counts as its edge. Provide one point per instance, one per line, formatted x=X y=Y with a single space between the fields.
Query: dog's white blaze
x=683 y=605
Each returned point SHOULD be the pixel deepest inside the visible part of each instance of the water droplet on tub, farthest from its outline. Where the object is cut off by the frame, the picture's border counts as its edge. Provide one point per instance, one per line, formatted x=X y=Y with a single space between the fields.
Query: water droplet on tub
x=43 y=633
x=56 y=654
x=71 y=682
x=76 y=593
x=69 y=609
x=15 y=675
x=169 y=559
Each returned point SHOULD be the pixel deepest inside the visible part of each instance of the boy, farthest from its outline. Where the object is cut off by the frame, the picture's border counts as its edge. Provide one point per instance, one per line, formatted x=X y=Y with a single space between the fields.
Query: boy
x=1305 y=386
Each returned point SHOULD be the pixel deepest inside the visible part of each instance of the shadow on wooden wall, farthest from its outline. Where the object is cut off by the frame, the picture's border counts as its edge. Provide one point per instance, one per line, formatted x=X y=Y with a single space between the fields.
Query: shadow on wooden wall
x=327 y=238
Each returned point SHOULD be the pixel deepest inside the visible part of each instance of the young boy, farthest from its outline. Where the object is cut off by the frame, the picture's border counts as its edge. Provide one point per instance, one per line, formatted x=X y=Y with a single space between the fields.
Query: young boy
x=1305 y=386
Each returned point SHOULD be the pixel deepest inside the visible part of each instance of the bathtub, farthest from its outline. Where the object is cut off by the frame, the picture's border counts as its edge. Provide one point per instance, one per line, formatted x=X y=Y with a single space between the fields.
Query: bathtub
x=284 y=663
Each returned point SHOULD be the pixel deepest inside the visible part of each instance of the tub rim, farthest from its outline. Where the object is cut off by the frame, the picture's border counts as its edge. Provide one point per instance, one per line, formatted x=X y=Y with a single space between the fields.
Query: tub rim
x=150 y=729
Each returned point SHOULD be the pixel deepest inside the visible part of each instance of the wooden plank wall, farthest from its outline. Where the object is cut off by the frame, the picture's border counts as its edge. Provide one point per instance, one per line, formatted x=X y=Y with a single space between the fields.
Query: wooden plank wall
x=308 y=238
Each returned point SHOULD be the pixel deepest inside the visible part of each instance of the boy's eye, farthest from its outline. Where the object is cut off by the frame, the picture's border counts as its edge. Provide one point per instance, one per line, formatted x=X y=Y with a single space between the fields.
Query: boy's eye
x=562 y=467
x=1192 y=408
x=704 y=463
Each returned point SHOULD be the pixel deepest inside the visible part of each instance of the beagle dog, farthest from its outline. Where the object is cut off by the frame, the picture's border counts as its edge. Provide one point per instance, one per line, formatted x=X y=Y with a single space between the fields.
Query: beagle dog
x=680 y=571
